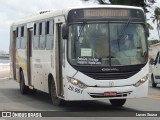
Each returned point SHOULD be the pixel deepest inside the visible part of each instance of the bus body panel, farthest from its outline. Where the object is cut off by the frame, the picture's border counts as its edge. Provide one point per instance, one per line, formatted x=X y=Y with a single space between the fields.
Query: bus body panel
x=98 y=87
x=21 y=63
x=41 y=68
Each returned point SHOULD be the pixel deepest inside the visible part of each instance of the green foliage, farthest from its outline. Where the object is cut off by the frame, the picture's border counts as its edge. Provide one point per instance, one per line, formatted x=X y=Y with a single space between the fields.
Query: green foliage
x=157 y=11
x=139 y=3
x=156 y=17
x=149 y=26
x=128 y=2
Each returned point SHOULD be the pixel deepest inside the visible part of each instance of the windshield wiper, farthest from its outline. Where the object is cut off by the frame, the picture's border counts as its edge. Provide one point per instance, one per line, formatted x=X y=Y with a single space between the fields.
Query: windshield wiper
x=77 y=37
x=121 y=36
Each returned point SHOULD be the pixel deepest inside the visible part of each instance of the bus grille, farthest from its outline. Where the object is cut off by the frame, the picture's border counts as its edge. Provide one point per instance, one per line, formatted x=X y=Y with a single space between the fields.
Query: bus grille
x=111 y=76
x=101 y=95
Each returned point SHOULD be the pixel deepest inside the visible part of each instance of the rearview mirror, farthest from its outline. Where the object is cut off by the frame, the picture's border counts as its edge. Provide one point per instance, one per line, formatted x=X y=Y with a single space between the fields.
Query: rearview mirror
x=64 y=31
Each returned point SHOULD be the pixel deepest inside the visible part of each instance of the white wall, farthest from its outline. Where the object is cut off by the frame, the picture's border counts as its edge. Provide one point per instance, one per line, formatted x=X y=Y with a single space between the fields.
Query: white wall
x=4 y=67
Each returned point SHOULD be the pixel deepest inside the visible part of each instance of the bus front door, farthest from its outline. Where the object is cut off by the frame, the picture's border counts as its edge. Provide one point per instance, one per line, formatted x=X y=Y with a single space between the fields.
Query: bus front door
x=29 y=56
x=59 y=55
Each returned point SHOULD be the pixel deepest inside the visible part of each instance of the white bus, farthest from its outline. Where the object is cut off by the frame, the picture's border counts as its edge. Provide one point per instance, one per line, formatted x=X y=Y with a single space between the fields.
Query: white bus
x=82 y=53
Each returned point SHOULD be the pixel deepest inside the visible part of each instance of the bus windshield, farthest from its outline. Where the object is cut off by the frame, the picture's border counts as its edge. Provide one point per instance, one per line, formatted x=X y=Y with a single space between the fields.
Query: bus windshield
x=107 y=44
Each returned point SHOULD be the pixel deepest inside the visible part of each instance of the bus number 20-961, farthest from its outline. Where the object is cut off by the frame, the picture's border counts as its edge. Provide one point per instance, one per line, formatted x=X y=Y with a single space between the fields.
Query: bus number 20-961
x=77 y=90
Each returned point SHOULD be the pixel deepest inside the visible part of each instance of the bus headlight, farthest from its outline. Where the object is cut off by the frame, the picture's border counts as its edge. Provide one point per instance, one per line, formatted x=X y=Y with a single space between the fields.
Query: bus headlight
x=141 y=81
x=77 y=82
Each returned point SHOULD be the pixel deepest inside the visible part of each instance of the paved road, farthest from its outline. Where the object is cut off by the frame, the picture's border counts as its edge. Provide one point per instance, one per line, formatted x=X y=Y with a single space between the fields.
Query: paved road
x=12 y=100
x=4 y=74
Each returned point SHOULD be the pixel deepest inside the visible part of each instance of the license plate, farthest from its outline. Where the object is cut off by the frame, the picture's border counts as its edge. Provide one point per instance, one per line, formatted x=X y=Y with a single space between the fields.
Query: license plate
x=110 y=93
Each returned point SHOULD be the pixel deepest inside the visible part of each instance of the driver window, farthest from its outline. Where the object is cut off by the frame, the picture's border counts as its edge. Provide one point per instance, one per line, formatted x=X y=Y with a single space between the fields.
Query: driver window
x=157 y=60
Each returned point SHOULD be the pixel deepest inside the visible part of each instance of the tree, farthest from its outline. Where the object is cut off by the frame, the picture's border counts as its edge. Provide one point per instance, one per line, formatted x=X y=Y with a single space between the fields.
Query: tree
x=140 y=3
x=149 y=26
x=156 y=17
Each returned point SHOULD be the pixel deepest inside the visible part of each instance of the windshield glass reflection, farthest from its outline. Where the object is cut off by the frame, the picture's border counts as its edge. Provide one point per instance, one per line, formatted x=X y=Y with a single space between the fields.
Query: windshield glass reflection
x=105 y=44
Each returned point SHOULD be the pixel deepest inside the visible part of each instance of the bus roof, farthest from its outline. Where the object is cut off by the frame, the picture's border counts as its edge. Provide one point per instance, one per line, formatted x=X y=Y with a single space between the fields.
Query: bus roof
x=44 y=14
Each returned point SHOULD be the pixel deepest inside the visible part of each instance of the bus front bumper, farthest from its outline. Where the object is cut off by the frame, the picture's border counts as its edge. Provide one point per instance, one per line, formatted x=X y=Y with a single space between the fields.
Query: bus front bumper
x=73 y=93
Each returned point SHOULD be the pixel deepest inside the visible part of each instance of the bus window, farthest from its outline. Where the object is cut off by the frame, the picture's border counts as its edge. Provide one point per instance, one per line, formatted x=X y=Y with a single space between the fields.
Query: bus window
x=18 y=42
x=17 y=32
x=47 y=27
x=40 y=28
x=23 y=39
x=42 y=35
x=22 y=31
x=49 y=34
x=36 y=36
x=34 y=29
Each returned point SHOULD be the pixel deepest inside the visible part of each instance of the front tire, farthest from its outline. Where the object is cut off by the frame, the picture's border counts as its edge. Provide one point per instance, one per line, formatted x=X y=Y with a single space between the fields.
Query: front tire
x=117 y=102
x=153 y=83
x=23 y=88
x=55 y=100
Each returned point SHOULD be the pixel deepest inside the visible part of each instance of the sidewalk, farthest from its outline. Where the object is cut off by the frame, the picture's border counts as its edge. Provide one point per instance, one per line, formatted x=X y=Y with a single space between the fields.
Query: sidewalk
x=4 y=74
x=4 y=71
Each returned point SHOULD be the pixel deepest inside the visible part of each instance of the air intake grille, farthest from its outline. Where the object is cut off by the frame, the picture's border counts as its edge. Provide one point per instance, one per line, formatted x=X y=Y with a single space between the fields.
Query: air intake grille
x=111 y=76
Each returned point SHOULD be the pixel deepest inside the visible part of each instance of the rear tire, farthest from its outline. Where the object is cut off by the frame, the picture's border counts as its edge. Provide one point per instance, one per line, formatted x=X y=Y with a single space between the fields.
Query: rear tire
x=55 y=100
x=23 y=88
x=153 y=83
x=117 y=102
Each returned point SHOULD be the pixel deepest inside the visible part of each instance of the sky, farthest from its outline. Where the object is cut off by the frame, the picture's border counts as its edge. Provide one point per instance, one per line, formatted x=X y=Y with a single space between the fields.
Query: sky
x=12 y=10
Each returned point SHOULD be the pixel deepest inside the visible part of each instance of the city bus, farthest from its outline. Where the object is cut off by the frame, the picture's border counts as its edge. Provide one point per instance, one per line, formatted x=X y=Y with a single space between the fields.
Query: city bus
x=82 y=53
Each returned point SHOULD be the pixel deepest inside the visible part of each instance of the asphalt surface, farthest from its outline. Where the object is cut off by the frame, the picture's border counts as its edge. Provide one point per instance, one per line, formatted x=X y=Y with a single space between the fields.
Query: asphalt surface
x=12 y=100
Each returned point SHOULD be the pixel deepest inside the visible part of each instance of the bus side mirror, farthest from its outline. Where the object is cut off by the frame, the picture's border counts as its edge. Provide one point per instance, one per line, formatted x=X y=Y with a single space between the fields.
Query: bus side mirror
x=64 y=31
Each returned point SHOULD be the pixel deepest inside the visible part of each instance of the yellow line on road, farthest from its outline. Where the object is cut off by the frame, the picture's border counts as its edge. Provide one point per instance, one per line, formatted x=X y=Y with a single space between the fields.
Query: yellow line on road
x=154 y=97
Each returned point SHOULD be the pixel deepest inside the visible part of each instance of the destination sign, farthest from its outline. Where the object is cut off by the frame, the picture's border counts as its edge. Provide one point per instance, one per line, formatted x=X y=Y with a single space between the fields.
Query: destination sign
x=105 y=12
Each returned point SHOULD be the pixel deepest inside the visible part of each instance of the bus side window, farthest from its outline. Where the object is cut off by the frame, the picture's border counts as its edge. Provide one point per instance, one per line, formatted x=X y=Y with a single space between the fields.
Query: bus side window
x=49 y=34
x=18 y=43
x=36 y=36
x=42 y=35
x=23 y=37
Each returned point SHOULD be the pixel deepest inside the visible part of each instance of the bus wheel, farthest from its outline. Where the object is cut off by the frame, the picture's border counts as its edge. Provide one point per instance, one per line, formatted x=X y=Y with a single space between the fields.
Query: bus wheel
x=23 y=88
x=153 y=83
x=55 y=100
x=117 y=102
